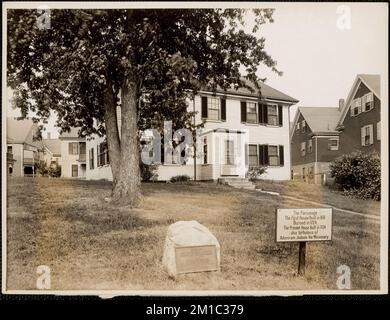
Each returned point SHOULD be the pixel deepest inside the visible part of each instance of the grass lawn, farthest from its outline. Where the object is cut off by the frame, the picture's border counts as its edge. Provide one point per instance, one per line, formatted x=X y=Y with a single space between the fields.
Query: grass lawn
x=91 y=244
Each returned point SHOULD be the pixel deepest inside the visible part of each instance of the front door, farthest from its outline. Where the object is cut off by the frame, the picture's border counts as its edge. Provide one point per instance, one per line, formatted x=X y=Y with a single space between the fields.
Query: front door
x=229 y=166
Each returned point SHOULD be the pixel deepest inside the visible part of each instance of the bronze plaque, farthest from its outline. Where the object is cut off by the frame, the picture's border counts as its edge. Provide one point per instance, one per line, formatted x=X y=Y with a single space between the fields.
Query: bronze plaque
x=196 y=259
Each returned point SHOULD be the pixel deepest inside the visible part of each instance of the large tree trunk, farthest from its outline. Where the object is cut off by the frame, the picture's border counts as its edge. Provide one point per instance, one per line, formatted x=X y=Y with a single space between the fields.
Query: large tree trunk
x=112 y=133
x=127 y=188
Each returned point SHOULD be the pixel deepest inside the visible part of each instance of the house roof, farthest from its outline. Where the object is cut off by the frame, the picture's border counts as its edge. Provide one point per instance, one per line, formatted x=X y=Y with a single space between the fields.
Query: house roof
x=371 y=81
x=267 y=92
x=21 y=131
x=54 y=145
x=72 y=134
x=319 y=119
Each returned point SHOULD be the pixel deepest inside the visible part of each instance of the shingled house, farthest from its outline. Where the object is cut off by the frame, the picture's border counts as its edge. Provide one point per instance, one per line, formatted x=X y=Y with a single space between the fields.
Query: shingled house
x=314 y=143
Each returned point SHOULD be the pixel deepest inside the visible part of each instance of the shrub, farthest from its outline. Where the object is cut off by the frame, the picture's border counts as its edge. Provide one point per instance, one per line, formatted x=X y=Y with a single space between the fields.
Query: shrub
x=54 y=171
x=148 y=172
x=255 y=172
x=180 y=178
x=41 y=168
x=358 y=175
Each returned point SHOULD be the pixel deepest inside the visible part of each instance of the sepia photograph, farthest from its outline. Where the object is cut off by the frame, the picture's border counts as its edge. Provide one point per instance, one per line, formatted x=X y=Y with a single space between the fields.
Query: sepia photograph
x=194 y=149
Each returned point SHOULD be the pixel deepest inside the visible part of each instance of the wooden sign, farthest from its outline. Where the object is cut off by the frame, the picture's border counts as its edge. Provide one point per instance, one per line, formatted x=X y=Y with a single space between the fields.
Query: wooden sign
x=301 y=225
x=196 y=259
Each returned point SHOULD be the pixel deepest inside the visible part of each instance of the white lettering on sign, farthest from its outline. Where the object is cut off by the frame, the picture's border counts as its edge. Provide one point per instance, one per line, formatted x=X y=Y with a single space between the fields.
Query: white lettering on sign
x=304 y=224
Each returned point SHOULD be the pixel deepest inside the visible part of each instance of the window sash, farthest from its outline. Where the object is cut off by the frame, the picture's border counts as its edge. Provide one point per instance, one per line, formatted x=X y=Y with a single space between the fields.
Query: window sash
x=272 y=113
x=253 y=155
x=213 y=108
x=251 y=112
x=75 y=170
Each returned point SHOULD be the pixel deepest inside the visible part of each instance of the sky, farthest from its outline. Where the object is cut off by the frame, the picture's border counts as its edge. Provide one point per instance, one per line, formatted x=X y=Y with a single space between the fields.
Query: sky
x=319 y=59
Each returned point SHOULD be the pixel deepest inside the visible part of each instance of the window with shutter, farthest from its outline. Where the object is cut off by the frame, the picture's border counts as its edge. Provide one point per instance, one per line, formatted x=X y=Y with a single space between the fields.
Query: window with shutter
x=367 y=135
x=368 y=102
x=356 y=107
x=378 y=131
x=310 y=146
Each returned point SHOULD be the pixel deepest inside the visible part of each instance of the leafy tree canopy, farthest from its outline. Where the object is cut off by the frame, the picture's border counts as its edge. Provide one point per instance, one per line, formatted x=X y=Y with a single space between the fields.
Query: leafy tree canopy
x=70 y=66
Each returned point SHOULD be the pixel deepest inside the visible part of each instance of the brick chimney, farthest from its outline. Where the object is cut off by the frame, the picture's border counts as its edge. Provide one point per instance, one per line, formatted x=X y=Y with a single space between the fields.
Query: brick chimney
x=341 y=104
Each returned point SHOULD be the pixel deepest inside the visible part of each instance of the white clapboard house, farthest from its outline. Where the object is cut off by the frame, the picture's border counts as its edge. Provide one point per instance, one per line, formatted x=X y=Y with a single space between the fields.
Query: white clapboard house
x=239 y=131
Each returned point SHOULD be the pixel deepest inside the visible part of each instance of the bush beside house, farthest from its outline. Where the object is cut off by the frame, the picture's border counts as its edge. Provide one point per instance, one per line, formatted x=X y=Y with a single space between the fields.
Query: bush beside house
x=358 y=175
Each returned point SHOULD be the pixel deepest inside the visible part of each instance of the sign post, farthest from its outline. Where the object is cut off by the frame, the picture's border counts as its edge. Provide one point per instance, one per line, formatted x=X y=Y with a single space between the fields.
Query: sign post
x=303 y=225
x=302 y=258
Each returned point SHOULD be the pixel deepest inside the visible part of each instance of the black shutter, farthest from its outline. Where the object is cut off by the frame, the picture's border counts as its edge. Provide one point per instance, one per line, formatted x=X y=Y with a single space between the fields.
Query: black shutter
x=265 y=114
x=243 y=111
x=223 y=109
x=281 y=155
x=280 y=113
x=246 y=155
x=162 y=154
x=260 y=112
x=265 y=155
x=261 y=155
x=204 y=107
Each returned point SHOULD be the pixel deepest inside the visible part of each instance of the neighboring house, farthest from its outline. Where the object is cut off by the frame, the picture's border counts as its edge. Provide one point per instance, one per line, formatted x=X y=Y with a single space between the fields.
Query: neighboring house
x=360 y=121
x=73 y=154
x=23 y=147
x=314 y=143
x=239 y=131
x=52 y=151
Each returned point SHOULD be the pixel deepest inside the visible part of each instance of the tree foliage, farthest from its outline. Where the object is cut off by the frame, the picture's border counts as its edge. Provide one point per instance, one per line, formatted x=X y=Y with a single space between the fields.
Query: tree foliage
x=147 y=62
x=68 y=67
x=358 y=174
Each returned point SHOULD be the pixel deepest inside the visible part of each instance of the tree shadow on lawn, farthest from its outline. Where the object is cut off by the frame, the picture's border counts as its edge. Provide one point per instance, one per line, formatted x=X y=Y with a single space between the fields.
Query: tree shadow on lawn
x=104 y=218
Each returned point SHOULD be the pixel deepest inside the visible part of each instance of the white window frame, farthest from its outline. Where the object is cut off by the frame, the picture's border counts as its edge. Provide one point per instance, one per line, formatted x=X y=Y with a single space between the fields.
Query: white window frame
x=356 y=104
x=213 y=104
x=256 y=147
x=277 y=156
x=252 y=104
x=368 y=99
x=331 y=147
x=363 y=132
x=276 y=115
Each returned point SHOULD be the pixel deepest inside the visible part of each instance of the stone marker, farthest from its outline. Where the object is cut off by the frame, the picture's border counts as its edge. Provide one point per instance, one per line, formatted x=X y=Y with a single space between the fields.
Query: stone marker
x=190 y=247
